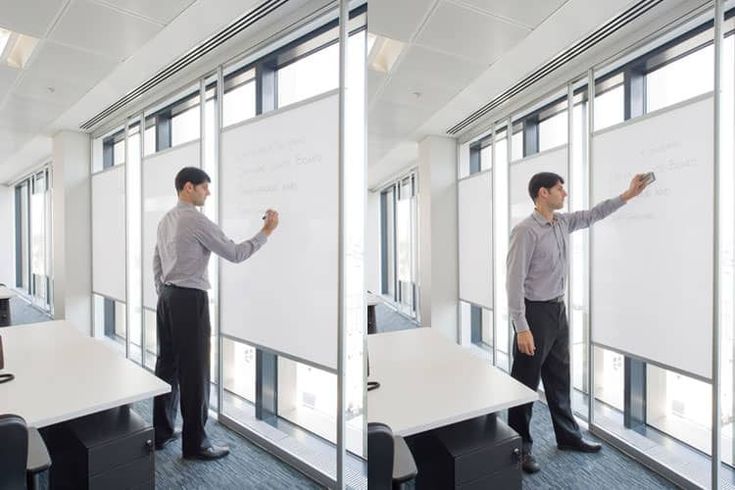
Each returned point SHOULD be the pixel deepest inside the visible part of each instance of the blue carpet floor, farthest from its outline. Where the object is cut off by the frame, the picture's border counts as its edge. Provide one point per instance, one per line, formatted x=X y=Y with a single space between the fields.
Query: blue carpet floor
x=247 y=466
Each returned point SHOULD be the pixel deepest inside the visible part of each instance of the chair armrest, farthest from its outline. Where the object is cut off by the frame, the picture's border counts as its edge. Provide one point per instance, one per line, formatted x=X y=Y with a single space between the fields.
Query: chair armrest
x=404 y=466
x=38 y=457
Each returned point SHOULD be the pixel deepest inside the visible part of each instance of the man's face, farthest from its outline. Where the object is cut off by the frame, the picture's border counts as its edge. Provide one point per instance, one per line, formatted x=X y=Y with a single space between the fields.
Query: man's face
x=555 y=196
x=199 y=193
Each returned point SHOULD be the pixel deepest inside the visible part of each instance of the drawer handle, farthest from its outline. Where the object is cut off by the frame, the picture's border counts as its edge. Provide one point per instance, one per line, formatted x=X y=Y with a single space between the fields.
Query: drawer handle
x=149 y=445
x=517 y=455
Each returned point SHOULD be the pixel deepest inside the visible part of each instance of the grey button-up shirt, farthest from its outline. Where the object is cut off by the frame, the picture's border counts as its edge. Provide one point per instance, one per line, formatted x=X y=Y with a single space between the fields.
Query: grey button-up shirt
x=538 y=258
x=184 y=243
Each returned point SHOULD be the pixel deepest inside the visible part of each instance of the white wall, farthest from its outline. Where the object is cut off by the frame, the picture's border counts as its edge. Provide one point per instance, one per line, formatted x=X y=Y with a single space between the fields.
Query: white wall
x=438 y=269
x=7 y=236
x=372 y=243
x=72 y=224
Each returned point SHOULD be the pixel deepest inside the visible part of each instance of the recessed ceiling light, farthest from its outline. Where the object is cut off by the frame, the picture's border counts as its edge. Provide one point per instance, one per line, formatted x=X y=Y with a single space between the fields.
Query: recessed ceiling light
x=383 y=52
x=4 y=37
x=16 y=49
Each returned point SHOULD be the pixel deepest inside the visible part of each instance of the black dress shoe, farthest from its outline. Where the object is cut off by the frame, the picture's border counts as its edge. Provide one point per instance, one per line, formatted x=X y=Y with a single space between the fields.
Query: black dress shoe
x=581 y=446
x=529 y=464
x=162 y=444
x=212 y=452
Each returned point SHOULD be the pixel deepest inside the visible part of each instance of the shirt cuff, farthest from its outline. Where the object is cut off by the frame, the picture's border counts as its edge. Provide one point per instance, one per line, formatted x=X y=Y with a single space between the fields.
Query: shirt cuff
x=521 y=325
x=619 y=201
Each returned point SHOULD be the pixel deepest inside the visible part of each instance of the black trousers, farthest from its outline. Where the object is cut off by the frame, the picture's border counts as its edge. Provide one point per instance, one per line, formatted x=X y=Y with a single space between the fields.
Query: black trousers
x=183 y=328
x=550 y=329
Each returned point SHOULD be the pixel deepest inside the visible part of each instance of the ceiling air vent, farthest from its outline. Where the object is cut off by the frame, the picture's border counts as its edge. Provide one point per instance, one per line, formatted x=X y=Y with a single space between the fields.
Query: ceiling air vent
x=613 y=25
x=188 y=58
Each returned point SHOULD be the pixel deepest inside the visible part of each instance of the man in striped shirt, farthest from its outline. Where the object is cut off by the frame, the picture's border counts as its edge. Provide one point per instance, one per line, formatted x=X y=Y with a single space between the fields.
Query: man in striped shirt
x=186 y=239
x=536 y=283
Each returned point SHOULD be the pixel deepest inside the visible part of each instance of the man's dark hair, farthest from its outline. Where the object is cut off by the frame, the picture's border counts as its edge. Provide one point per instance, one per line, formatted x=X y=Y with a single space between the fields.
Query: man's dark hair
x=547 y=180
x=190 y=174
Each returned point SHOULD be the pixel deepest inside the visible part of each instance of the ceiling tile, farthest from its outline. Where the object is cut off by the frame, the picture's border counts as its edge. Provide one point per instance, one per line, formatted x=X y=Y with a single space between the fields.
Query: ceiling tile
x=31 y=17
x=66 y=62
x=527 y=12
x=61 y=74
x=161 y=11
x=28 y=115
x=397 y=19
x=481 y=37
x=103 y=30
x=421 y=65
x=387 y=118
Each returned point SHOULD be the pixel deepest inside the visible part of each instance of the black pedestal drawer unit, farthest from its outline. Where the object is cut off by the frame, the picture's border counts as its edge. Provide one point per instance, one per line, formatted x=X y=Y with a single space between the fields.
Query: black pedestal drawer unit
x=477 y=454
x=107 y=450
x=4 y=312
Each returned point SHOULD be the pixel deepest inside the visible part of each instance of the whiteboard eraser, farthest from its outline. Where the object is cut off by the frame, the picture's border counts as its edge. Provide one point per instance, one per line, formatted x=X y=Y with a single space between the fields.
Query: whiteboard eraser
x=648 y=178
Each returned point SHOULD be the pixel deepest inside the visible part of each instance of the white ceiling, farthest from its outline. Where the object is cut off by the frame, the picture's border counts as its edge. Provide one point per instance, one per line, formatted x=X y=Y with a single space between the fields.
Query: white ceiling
x=460 y=54
x=80 y=43
x=449 y=43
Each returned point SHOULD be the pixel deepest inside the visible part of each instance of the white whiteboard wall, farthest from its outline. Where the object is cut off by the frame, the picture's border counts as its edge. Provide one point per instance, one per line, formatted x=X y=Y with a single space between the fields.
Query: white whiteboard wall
x=652 y=260
x=108 y=233
x=475 y=223
x=284 y=297
x=521 y=171
x=159 y=196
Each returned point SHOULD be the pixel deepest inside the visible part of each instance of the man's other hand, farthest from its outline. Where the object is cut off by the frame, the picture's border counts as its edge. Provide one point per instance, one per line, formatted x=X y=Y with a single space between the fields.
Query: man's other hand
x=525 y=343
x=271 y=221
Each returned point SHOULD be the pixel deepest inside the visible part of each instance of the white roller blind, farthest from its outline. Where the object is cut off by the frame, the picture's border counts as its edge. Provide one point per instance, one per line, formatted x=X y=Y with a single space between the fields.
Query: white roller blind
x=652 y=260
x=284 y=298
x=159 y=196
x=108 y=233
x=475 y=240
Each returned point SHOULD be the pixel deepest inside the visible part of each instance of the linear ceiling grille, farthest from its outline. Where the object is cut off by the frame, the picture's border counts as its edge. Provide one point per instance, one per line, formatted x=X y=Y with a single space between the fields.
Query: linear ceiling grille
x=188 y=58
x=558 y=61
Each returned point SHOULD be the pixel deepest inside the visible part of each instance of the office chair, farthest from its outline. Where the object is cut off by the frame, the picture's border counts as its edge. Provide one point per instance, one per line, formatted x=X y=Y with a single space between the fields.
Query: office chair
x=23 y=455
x=390 y=462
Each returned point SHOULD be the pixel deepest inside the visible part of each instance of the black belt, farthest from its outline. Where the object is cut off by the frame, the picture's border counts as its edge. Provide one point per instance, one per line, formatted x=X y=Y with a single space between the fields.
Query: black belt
x=558 y=299
x=174 y=286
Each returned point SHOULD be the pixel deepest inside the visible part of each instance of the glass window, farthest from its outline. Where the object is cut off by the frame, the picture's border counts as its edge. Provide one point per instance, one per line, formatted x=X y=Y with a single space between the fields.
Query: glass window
x=486 y=157
x=118 y=151
x=609 y=378
x=239 y=369
x=309 y=76
x=22 y=238
x=517 y=143
x=109 y=320
x=149 y=138
x=151 y=341
x=680 y=406
x=682 y=79
x=501 y=232
x=185 y=126
x=609 y=107
x=239 y=103
x=553 y=132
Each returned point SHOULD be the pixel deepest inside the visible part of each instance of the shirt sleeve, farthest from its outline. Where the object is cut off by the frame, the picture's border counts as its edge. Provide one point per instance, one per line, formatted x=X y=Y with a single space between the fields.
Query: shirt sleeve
x=214 y=239
x=583 y=219
x=519 y=259
x=157 y=270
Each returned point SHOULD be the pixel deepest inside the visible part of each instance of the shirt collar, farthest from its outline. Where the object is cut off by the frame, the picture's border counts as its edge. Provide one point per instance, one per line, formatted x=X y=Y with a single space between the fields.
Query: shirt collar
x=184 y=204
x=539 y=218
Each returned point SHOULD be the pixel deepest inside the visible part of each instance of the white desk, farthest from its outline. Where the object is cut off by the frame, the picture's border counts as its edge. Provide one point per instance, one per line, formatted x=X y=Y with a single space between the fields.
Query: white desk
x=6 y=293
x=61 y=374
x=427 y=382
